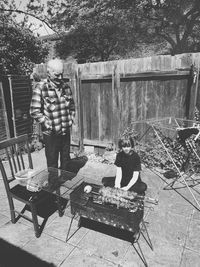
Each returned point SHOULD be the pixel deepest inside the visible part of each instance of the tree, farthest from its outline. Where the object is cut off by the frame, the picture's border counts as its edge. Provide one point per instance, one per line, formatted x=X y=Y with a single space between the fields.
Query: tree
x=102 y=29
x=19 y=48
x=176 y=21
x=96 y=42
x=93 y=30
x=99 y=30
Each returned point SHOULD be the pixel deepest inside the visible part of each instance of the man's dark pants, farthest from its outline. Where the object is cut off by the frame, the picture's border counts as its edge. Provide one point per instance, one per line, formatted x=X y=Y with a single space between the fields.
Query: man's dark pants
x=56 y=145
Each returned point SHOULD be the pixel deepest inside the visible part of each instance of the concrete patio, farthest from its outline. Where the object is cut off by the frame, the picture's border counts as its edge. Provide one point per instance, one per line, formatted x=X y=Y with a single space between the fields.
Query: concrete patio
x=173 y=226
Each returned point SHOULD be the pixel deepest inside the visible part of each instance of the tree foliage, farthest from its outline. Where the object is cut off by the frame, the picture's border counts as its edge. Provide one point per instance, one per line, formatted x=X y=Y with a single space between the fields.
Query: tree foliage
x=19 y=48
x=103 y=28
x=99 y=30
x=176 y=21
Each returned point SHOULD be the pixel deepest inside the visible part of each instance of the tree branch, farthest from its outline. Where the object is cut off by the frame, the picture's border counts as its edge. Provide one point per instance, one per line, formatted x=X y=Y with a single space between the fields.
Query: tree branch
x=177 y=33
x=29 y=14
x=189 y=25
x=168 y=39
x=193 y=10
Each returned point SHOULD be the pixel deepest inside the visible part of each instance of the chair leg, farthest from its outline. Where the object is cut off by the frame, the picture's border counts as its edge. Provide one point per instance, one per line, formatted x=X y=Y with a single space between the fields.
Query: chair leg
x=20 y=213
x=35 y=221
x=12 y=210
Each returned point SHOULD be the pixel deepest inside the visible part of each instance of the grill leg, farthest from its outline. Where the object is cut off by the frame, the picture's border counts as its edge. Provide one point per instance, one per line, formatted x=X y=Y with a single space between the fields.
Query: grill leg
x=147 y=237
x=140 y=253
x=67 y=238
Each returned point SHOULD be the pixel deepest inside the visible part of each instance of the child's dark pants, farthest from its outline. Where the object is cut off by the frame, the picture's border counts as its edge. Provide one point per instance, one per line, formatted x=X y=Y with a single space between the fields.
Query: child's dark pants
x=139 y=187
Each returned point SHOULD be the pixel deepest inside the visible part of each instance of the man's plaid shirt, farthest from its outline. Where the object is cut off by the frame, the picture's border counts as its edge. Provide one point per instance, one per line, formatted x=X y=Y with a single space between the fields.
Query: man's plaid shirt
x=48 y=104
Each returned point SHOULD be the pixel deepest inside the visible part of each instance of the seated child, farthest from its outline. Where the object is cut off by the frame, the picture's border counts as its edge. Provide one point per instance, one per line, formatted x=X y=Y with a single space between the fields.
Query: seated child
x=128 y=169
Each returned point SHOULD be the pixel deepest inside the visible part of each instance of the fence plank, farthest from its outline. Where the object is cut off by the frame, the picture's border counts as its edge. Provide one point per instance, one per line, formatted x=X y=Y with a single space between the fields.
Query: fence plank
x=105 y=111
x=115 y=105
x=80 y=110
x=95 y=110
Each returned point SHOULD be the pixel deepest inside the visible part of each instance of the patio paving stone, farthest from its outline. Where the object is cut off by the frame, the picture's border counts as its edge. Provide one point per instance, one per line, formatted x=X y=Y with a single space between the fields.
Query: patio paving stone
x=104 y=246
x=190 y=258
x=193 y=240
x=78 y=257
x=17 y=234
x=49 y=249
x=58 y=229
x=173 y=226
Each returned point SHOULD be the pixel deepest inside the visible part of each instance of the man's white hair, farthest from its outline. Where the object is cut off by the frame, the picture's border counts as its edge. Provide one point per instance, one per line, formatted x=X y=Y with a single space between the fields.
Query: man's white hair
x=54 y=64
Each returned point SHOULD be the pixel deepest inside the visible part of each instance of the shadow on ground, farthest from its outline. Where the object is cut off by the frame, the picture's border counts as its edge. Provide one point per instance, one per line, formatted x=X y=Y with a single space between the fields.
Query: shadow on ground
x=75 y=164
x=15 y=256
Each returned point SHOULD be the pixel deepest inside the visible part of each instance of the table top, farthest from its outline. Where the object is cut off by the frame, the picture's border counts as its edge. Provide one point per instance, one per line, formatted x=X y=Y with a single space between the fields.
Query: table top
x=57 y=181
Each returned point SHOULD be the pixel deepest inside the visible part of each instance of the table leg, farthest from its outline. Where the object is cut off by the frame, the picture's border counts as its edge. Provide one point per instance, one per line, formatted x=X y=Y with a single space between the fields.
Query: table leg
x=61 y=203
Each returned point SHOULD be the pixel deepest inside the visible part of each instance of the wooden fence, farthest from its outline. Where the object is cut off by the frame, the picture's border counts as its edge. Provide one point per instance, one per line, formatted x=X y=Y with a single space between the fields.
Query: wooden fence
x=15 y=95
x=4 y=128
x=111 y=95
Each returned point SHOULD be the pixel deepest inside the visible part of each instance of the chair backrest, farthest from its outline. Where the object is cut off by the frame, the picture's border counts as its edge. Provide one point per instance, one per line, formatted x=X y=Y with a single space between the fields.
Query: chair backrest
x=18 y=156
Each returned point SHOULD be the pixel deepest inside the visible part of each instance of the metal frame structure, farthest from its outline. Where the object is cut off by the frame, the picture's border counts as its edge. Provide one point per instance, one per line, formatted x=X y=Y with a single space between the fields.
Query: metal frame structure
x=171 y=125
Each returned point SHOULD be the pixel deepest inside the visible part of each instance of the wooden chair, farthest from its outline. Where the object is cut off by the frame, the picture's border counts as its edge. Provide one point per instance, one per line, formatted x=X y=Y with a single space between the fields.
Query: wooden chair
x=41 y=203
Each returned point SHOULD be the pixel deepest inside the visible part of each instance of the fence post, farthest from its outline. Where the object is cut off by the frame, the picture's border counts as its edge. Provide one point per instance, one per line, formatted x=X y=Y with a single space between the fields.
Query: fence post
x=4 y=116
x=191 y=95
x=115 y=106
x=80 y=109
x=195 y=86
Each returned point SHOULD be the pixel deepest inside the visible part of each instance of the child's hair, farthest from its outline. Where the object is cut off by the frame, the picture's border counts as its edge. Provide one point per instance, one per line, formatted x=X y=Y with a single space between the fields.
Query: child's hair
x=125 y=141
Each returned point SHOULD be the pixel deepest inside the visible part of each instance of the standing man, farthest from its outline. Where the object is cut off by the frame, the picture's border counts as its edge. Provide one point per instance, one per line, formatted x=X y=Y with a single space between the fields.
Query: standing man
x=52 y=105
